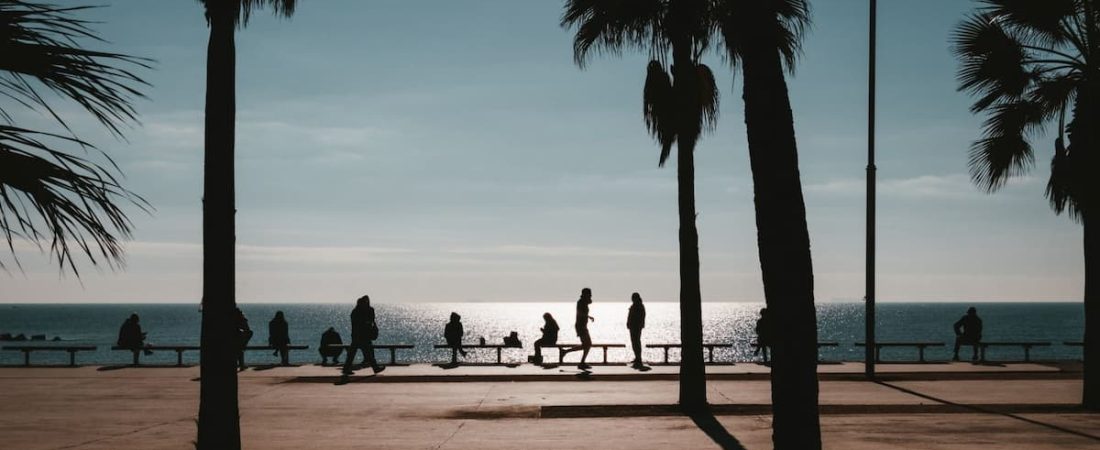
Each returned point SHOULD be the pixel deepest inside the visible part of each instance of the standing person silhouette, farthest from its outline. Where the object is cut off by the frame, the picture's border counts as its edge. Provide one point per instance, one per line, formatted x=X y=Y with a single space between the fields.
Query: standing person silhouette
x=968 y=331
x=452 y=333
x=582 y=328
x=763 y=334
x=364 y=330
x=244 y=334
x=278 y=337
x=635 y=321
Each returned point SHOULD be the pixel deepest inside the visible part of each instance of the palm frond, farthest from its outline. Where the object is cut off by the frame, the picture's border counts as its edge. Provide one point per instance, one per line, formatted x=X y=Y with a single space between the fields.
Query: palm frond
x=40 y=44
x=241 y=10
x=610 y=26
x=1062 y=186
x=993 y=62
x=709 y=98
x=658 y=108
x=51 y=196
x=1041 y=21
x=743 y=23
x=1004 y=151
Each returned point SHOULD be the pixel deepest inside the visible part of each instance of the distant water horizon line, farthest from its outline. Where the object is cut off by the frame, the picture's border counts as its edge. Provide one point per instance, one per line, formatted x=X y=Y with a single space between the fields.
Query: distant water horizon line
x=428 y=302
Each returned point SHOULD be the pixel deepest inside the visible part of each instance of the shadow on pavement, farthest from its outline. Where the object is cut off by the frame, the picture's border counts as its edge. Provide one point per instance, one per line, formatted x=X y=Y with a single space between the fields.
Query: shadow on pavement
x=714 y=429
x=985 y=410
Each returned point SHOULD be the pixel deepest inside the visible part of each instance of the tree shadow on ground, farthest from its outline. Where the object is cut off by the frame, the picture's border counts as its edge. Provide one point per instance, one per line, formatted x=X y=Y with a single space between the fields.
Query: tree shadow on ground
x=710 y=425
x=979 y=409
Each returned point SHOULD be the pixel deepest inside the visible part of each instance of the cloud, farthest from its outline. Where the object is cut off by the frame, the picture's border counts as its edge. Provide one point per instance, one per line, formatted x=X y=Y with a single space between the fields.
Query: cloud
x=951 y=186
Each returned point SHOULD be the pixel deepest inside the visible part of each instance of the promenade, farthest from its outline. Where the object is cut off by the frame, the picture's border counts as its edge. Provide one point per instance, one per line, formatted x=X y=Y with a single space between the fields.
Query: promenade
x=928 y=406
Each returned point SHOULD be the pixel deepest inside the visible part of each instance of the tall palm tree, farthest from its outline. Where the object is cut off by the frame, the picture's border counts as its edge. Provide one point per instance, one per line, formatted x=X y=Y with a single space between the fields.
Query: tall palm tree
x=1032 y=65
x=48 y=194
x=677 y=108
x=762 y=40
x=219 y=423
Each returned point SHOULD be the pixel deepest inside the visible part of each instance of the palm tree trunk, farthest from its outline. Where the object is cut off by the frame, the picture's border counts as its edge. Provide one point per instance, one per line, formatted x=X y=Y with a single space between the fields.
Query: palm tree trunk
x=693 y=381
x=784 y=246
x=1091 y=397
x=219 y=420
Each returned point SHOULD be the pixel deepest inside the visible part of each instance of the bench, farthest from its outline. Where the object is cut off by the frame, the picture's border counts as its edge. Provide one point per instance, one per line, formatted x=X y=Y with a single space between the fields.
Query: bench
x=710 y=349
x=454 y=350
x=72 y=349
x=819 y=345
x=1026 y=345
x=179 y=349
x=1074 y=343
x=919 y=345
x=561 y=354
x=393 y=348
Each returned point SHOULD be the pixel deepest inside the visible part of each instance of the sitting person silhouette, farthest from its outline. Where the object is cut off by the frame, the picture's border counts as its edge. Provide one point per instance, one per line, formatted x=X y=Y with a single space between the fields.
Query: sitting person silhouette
x=131 y=337
x=278 y=337
x=453 y=333
x=968 y=331
x=330 y=337
x=512 y=340
x=763 y=334
x=549 y=337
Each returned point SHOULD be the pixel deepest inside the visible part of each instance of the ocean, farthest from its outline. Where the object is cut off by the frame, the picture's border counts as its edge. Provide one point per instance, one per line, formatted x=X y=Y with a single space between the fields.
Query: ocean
x=422 y=324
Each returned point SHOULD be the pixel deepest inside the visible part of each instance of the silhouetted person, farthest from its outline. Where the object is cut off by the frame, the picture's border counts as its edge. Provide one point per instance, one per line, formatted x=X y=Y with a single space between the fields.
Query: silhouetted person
x=581 y=327
x=131 y=337
x=364 y=330
x=244 y=334
x=278 y=337
x=763 y=334
x=452 y=333
x=549 y=337
x=330 y=337
x=968 y=331
x=635 y=322
x=512 y=340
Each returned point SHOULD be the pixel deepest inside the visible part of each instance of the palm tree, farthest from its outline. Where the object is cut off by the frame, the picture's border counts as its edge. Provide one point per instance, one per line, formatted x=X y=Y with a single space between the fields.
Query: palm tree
x=1032 y=65
x=677 y=109
x=48 y=194
x=219 y=423
x=762 y=39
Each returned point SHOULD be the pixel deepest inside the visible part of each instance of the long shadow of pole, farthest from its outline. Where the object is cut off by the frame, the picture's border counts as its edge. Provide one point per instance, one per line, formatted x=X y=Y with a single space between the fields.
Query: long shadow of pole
x=979 y=409
x=706 y=421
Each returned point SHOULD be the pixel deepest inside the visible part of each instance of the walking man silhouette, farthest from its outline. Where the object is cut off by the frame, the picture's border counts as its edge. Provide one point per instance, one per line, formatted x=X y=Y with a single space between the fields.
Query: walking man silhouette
x=582 y=328
x=364 y=331
x=635 y=321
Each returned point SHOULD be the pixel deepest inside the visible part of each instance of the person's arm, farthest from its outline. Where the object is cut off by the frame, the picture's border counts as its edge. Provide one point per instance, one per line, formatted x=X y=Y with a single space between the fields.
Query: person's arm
x=958 y=327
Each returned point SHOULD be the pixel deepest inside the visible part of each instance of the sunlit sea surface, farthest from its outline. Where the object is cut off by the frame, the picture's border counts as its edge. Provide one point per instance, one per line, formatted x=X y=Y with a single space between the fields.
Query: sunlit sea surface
x=422 y=324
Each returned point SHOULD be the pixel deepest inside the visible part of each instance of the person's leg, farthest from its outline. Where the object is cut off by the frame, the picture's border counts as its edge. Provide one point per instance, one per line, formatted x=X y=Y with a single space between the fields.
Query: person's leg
x=974 y=343
x=350 y=359
x=538 y=349
x=369 y=357
x=284 y=353
x=586 y=346
x=636 y=343
x=958 y=343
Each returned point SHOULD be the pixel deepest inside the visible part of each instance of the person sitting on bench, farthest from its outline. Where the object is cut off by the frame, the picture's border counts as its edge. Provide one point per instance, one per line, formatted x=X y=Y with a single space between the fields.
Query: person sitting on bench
x=330 y=337
x=968 y=331
x=131 y=337
x=549 y=337
x=512 y=340
x=453 y=333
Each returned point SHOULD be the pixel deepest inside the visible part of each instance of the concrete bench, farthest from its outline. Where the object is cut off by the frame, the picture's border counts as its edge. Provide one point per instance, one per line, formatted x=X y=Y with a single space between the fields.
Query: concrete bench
x=454 y=350
x=710 y=349
x=561 y=355
x=179 y=349
x=393 y=348
x=919 y=345
x=1026 y=346
x=72 y=349
x=819 y=345
x=1074 y=343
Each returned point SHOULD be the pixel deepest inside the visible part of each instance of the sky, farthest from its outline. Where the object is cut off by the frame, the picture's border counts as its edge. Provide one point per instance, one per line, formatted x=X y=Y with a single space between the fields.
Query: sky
x=452 y=151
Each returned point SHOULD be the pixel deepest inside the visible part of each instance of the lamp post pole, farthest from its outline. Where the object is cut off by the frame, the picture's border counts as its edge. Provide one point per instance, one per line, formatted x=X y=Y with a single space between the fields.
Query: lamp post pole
x=869 y=356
